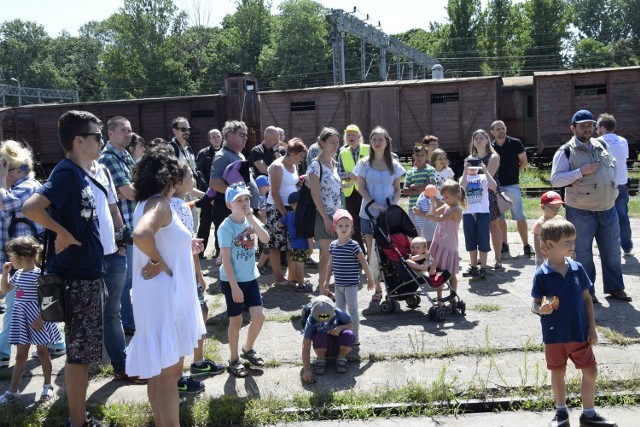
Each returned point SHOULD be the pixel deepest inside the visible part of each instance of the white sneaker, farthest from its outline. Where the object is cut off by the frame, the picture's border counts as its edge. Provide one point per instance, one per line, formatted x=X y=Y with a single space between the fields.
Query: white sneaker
x=9 y=397
x=52 y=352
x=4 y=363
x=47 y=392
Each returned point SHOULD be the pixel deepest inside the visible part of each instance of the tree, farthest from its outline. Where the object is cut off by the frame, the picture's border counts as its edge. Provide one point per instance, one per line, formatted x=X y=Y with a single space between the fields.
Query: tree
x=547 y=21
x=601 y=20
x=502 y=34
x=462 y=54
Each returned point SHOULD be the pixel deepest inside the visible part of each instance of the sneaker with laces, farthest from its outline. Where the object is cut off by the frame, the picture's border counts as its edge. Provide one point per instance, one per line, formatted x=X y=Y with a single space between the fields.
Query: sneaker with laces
x=596 y=420
x=208 y=367
x=187 y=385
x=482 y=273
x=528 y=250
x=471 y=271
x=560 y=420
x=3 y=306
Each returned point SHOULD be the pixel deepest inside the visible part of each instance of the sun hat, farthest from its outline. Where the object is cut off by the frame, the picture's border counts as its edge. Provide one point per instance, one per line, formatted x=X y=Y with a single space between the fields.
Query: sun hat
x=323 y=309
x=339 y=214
x=352 y=128
x=551 y=198
x=293 y=197
x=234 y=191
x=262 y=181
x=582 y=116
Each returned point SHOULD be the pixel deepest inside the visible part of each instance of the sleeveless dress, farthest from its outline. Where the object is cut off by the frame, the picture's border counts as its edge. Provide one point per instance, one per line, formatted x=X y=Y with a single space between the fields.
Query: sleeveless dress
x=444 y=247
x=167 y=312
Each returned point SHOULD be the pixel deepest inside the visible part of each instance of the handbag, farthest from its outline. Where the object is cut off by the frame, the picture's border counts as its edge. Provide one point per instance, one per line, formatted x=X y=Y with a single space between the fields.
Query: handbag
x=504 y=201
x=305 y=216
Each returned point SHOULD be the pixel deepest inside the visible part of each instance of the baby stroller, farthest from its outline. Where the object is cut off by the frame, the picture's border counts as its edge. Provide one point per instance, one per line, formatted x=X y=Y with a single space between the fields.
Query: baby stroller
x=392 y=234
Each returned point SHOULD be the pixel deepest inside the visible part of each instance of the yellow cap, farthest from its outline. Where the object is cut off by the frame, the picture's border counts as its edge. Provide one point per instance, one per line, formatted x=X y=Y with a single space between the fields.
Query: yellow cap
x=352 y=128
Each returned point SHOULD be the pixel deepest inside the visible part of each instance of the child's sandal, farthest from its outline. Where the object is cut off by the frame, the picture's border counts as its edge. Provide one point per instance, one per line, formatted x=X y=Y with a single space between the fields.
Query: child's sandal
x=341 y=365
x=9 y=397
x=320 y=366
x=237 y=369
x=47 y=392
x=252 y=357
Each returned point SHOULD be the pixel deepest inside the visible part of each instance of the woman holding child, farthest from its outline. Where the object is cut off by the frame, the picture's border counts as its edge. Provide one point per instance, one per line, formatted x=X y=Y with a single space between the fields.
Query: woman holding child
x=283 y=178
x=378 y=181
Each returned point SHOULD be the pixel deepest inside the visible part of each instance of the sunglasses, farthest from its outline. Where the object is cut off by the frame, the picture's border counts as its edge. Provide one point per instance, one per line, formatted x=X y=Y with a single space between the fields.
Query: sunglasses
x=96 y=135
x=184 y=129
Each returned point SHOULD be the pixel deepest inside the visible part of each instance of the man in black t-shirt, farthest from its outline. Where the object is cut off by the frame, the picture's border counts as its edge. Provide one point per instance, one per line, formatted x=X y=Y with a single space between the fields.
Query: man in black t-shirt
x=513 y=159
x=263 y=154
x=204 y=160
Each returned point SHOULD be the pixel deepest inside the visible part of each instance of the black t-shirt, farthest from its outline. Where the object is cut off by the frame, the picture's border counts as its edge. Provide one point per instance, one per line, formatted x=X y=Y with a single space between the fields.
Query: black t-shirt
x=73 y=206
x=509 y=169
x=261 y=152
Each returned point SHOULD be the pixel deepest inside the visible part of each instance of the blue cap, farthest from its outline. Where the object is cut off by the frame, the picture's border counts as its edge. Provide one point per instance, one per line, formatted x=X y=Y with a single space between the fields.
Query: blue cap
x=582 y=116
x=234 y=191
x=293 y=197
x=262 y=181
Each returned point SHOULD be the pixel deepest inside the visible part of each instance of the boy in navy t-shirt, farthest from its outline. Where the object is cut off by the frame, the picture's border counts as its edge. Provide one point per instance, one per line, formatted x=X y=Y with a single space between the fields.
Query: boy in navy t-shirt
x=298 y=246
x=331 y=332
x=561 y=297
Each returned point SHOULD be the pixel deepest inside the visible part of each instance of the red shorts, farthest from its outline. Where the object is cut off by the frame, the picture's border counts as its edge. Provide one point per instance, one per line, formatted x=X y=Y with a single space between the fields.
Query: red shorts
x=580 y=353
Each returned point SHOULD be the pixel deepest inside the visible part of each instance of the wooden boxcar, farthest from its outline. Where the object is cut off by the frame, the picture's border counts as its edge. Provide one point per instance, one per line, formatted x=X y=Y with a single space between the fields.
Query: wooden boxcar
x=560 y=94
x=151 y=118
x=449 y=108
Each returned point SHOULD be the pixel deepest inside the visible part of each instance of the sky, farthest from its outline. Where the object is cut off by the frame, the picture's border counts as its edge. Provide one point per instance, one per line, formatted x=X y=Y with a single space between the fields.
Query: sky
x=58 y=15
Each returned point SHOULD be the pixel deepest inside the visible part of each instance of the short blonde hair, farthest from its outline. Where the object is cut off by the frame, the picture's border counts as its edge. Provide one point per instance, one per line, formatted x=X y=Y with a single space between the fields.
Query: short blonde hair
x=555 y=229
x=17 y=155
x=420 y=240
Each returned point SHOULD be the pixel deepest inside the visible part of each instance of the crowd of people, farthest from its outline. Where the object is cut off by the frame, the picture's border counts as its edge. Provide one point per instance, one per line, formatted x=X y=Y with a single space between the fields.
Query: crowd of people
x=128 y=223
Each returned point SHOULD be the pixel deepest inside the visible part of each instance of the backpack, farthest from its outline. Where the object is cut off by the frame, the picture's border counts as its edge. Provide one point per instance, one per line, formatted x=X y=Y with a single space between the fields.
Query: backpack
x=305 y=216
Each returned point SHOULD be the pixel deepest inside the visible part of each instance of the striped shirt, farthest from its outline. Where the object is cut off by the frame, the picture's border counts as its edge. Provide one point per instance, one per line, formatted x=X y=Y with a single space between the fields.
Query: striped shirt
x=418 y=177
x=345 y=264
x=27 y=282
x=424 y=204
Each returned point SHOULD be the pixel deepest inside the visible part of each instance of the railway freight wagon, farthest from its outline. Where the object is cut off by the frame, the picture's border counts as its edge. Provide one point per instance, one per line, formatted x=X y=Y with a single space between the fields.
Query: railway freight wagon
x=151 y=117
x=559 y=94
x=448 y=108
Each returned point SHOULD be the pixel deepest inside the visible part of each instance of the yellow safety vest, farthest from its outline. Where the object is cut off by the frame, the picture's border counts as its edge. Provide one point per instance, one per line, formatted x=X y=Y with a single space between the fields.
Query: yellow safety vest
x=348 y=166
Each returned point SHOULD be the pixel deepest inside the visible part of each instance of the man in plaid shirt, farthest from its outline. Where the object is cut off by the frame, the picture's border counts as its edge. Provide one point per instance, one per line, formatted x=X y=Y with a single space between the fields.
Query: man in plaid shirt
x=117 y=159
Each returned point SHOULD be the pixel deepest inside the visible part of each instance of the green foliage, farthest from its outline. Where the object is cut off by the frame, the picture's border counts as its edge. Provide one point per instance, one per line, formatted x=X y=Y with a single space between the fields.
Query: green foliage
x=547 y=23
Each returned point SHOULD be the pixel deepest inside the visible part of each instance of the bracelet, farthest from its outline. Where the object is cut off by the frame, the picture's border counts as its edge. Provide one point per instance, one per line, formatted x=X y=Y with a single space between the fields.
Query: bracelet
x=152 y=262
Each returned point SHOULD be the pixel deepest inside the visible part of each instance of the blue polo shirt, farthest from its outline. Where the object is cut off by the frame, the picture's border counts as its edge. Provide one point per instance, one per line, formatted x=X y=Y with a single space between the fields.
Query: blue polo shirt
x=569 y=322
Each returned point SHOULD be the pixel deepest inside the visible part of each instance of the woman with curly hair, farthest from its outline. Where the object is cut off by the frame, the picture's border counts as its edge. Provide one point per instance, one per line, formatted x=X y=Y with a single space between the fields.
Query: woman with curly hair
x=165 y=305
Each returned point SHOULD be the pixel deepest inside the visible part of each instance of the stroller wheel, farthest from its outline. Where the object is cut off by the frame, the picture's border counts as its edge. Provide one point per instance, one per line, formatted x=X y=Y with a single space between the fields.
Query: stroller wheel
x=413 y=301
x=431 y=314
x=439 y=314
x=387 y=306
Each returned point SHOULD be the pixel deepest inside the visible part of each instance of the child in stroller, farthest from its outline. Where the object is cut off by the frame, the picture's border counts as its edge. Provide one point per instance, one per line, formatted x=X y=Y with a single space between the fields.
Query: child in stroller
x=392 y=232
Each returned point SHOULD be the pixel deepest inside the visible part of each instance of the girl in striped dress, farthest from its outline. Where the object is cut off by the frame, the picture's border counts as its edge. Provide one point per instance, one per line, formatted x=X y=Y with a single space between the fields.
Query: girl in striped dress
x=27 y=326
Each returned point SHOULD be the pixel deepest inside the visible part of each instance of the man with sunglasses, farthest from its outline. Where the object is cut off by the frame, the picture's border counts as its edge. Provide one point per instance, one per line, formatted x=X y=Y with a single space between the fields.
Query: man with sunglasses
x=65 y=205
x=182 y=149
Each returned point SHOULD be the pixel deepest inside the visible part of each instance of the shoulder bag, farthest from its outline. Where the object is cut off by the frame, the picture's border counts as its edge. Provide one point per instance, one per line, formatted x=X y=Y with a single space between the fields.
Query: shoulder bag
x=305 y=217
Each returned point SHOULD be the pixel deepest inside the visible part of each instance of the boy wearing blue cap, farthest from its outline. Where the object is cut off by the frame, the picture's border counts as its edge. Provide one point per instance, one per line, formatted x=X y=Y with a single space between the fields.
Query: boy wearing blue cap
x=238 y=275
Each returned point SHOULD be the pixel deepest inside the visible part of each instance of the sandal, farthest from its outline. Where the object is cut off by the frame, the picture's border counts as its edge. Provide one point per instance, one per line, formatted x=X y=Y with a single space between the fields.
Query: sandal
x=305 y=287
x=284 y=284
x=237 y=369
x=377 y=296
x=483 y=273
x=497 y=265
x=47 y=392
x=320 y=366
x=341 y=365
x=9 y=397
x=252 y=357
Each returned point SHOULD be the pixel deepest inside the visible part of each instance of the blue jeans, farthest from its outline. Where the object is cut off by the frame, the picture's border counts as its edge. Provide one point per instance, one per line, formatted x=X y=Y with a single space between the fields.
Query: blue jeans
x=126 y=308
x=622 y=207
x=114 y=279
x=5 y=347
x=604 y=227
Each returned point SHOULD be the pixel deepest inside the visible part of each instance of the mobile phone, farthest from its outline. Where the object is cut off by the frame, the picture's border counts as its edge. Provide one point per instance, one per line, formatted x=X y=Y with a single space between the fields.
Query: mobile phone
x=473 y=162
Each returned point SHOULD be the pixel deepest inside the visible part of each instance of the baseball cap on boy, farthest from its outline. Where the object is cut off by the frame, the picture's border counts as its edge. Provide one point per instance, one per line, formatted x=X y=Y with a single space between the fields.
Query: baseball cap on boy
x=339 y=214
x=582 y=116
x=234 y=191
x=551 y=198
x=262 y=181
x=352 y=128
x=293 y=197
x=323 y=309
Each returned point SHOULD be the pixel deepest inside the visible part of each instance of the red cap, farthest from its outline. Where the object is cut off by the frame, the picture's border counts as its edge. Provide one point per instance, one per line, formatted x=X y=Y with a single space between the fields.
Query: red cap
x=551 y=198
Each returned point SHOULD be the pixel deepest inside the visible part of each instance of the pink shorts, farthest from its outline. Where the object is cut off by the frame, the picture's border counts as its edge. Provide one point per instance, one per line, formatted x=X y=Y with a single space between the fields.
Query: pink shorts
x=580 y=353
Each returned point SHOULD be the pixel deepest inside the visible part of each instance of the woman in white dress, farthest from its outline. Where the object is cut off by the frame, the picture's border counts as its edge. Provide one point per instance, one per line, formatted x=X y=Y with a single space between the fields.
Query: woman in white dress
x=165 y=304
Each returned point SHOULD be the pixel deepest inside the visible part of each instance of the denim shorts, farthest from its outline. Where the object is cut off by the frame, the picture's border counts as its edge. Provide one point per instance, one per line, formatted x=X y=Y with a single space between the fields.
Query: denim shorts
x=251 y=292
x=203 y=304
x=517 y=208
x=365 y=226
x=476 y=231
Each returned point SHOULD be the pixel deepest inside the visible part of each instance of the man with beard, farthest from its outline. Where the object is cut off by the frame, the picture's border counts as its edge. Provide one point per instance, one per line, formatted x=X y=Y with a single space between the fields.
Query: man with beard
x=587 y=169
x=182 y=149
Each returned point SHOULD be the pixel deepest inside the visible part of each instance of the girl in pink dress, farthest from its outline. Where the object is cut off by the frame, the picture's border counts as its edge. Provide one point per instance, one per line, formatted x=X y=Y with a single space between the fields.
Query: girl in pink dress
x=444 y=247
